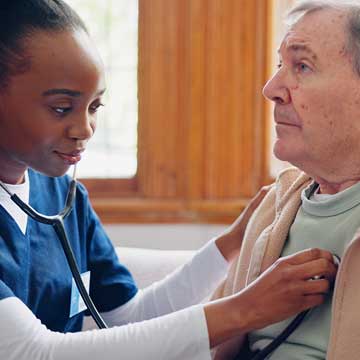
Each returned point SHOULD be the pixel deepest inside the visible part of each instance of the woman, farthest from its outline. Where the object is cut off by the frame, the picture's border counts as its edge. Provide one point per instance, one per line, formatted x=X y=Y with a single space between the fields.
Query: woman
x=52 y=82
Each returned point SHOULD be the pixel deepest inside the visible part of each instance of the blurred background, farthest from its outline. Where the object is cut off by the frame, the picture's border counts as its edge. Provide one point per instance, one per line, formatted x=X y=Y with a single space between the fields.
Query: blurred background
x=185 y=139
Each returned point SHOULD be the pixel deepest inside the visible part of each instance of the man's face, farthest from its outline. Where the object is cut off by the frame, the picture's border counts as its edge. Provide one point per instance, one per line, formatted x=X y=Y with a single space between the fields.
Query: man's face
x=48 y=113
x=317 y=99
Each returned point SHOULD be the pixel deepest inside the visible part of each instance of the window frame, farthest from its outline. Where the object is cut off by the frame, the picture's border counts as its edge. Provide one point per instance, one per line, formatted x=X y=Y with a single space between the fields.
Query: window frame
x=184 y=174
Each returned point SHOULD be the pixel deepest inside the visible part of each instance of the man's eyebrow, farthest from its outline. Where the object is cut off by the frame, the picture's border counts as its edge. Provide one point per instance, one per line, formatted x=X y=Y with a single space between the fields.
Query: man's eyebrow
x=301 y=48
x=69 y=92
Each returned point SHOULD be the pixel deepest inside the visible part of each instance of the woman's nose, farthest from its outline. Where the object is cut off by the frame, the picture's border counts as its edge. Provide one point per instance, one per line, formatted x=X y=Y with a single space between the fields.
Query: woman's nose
x=82 y=128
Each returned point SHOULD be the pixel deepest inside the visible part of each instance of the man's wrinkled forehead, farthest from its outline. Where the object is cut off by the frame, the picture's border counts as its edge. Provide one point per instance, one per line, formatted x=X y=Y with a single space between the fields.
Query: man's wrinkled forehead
x=316 y=33
x=297 y=43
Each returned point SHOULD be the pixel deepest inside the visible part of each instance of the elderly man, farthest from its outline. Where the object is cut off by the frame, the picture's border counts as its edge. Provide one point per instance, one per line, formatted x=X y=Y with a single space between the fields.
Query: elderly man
x=316 y=92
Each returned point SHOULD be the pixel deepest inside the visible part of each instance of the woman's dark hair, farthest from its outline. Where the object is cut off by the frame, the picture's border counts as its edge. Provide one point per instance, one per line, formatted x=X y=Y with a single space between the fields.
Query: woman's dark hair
x=19 y=19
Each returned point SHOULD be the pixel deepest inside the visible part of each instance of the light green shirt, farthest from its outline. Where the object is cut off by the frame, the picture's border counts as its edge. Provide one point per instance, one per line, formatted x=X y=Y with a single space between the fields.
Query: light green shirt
x=324 y=221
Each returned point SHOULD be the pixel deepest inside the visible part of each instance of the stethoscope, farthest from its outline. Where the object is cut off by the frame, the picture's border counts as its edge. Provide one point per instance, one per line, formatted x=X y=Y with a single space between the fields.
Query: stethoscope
x=270 y=348
x=295 y=323
x=57 y=221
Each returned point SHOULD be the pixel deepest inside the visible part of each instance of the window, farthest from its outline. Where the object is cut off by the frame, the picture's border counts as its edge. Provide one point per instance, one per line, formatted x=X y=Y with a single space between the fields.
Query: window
x=112 y=153
x=202 y=129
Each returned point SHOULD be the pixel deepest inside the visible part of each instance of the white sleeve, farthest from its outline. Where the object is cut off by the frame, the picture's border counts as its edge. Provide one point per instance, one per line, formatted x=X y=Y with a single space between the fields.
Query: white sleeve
x=178 y=336
x=186 y=286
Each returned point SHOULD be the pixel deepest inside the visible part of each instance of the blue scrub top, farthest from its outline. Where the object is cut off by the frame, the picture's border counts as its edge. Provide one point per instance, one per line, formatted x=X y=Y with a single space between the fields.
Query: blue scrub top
x=33 y=266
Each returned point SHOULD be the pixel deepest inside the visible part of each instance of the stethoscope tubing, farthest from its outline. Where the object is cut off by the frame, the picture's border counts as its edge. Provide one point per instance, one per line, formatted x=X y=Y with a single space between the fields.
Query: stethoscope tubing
x=267 y=350
x=57 y=221
x=60 y=231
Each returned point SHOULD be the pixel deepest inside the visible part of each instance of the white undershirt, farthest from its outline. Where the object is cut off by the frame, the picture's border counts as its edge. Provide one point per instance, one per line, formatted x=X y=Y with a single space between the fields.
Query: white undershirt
x=171 y=334
x=23 y=192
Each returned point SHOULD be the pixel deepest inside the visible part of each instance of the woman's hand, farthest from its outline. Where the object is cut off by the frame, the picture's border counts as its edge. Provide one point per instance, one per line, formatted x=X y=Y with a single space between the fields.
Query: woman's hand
x=285 y=289
x=229 y=243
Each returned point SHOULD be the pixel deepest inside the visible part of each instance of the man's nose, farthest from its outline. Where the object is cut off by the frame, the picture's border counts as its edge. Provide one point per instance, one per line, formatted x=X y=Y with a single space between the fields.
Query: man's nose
x=82 y=128
x=276 y=90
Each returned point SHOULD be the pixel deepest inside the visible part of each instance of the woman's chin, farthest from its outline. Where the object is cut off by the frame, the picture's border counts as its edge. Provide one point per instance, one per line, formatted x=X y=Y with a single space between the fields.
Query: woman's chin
x=54 y=171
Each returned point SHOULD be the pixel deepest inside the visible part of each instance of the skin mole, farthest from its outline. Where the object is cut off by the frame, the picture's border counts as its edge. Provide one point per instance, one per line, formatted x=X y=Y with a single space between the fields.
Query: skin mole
x=342 y=51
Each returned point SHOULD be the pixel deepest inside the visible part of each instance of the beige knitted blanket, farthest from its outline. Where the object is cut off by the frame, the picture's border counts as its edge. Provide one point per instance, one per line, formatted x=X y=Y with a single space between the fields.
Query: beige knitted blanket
x=263 y=241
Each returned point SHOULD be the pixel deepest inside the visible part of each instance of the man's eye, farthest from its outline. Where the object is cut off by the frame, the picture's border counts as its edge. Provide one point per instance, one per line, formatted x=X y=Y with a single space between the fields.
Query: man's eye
x=302 y=67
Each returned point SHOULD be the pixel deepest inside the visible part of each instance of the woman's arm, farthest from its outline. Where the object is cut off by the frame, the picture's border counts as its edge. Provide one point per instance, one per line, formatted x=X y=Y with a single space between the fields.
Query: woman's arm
x=186 y=286
x=282 y=291
x=178 y=336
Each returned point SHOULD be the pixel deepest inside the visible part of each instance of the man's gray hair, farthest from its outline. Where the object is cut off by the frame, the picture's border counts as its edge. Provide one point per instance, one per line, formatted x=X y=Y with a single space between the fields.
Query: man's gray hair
x=350 y=7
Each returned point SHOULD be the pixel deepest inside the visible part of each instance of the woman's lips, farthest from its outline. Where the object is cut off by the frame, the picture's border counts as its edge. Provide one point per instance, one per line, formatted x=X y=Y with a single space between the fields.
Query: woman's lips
x=70 y=159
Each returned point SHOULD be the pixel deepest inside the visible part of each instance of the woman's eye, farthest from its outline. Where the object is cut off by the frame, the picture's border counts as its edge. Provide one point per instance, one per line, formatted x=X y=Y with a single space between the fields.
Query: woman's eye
x=61 y=110
x=95 y=108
